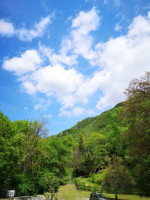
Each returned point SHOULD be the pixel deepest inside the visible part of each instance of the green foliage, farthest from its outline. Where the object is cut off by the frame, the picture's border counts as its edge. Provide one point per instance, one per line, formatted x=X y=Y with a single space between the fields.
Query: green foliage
x=52 y=183
x=10 y=151
x=48 y=182
x=24 y=185
x=90 y=155
x=136 y=117
x=87 y=181
x=69 y=192
x=19 y=154
x=98 y=124
x=97 y=147
x=117 y=176
x=99 y=177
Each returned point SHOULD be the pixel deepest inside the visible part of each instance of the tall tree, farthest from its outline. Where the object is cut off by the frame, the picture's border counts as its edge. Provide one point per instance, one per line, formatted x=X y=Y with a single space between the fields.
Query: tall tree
x=11 y=151
x=117 y=176
x=96 y=152
x=136 y=116
x=78 y=157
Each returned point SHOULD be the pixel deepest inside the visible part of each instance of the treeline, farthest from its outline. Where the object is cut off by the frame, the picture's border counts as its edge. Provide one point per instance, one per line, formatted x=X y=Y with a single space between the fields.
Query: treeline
x=28 y=162
x=113 y=149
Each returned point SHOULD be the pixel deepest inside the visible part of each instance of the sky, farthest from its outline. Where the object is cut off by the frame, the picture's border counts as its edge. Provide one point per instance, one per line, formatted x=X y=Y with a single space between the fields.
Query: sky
x=64 y=60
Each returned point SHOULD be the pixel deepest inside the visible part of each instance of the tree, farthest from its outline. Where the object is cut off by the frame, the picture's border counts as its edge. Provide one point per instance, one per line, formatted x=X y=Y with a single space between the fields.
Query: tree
x=136 y=117
x=78 y=157
x=32 y=131
x=117 y=176
x=52 y=184
x=96 y=152
x=19 y=152
x=11 y=152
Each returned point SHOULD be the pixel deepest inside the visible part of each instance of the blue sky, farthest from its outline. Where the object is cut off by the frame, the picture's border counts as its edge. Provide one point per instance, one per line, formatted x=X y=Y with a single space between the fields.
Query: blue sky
x=67 y=60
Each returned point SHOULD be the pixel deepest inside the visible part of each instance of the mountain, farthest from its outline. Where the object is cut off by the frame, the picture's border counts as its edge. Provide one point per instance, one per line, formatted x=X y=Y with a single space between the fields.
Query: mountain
x=102 y=123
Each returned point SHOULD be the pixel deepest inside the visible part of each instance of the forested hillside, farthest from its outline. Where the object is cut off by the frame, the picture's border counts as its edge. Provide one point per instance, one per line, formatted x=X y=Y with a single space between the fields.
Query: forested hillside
x=107 y=125
x=113 y=145
x=97 y=124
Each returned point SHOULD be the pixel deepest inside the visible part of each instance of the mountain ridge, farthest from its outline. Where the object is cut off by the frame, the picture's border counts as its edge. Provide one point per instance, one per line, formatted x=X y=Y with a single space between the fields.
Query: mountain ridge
x=97 y=124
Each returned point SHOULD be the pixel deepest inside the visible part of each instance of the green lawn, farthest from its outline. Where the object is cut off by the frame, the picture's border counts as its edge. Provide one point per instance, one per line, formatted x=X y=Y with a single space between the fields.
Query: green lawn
x=127 y=197
x=69 y=192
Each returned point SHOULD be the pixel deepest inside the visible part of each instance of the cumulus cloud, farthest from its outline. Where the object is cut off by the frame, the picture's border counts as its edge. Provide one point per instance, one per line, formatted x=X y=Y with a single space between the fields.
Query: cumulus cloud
x=53 y=81
x=37 y=31
x=140 y=26
x=119 y=59
x=27 y=62
x=124 y=58
x=8 y=29
x=79 y=41
x=56 y=59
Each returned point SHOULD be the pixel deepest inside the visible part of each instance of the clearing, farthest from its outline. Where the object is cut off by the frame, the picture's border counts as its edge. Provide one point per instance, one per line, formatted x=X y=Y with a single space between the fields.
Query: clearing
x=69 y=192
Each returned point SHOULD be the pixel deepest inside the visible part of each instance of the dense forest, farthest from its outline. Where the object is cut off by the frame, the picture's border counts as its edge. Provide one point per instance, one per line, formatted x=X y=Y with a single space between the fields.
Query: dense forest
x=112 y=146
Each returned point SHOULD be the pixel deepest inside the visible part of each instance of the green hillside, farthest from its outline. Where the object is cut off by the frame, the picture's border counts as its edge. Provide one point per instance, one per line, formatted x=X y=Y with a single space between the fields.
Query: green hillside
x=102 y=123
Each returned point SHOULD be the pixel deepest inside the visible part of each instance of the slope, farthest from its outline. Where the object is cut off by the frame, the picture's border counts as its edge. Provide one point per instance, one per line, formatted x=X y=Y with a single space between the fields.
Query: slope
x=102 y=123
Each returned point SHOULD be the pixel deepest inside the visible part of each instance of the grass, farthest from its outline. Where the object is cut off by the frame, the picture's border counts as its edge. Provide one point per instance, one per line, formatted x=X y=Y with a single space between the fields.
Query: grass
x=69 y=192
x=127 y=197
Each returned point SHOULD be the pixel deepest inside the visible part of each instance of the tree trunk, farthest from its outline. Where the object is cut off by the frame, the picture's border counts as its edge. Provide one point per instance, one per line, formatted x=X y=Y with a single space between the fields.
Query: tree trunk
x=116 y=195
x=52 y=196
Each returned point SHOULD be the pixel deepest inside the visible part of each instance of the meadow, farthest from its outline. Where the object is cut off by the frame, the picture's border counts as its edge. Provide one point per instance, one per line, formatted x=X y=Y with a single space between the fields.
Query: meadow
x=69 y=192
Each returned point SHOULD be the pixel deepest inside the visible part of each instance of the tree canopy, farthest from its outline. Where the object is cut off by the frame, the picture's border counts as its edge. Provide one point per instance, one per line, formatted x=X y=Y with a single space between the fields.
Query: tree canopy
x=136 y=117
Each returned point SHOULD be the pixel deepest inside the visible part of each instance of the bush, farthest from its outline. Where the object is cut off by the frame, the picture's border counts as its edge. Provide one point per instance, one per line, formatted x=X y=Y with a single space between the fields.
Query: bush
x=86 y=184
x=48 y=182
x=98 y=178
x=24 y=185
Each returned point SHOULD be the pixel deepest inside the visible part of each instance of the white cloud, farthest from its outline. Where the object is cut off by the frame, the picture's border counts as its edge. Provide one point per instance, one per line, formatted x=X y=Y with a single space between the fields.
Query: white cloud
x=140 y=27
x=79 y=41
x=61 y=58
x=54 y=81
x=28 y=61
x=117 y=27
x=75 y=112
x=8 y=29
x=124 y=58
x=120 y=59
x=42 y=104
x=82 y=41
x=86 y=21
x=37 y=31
